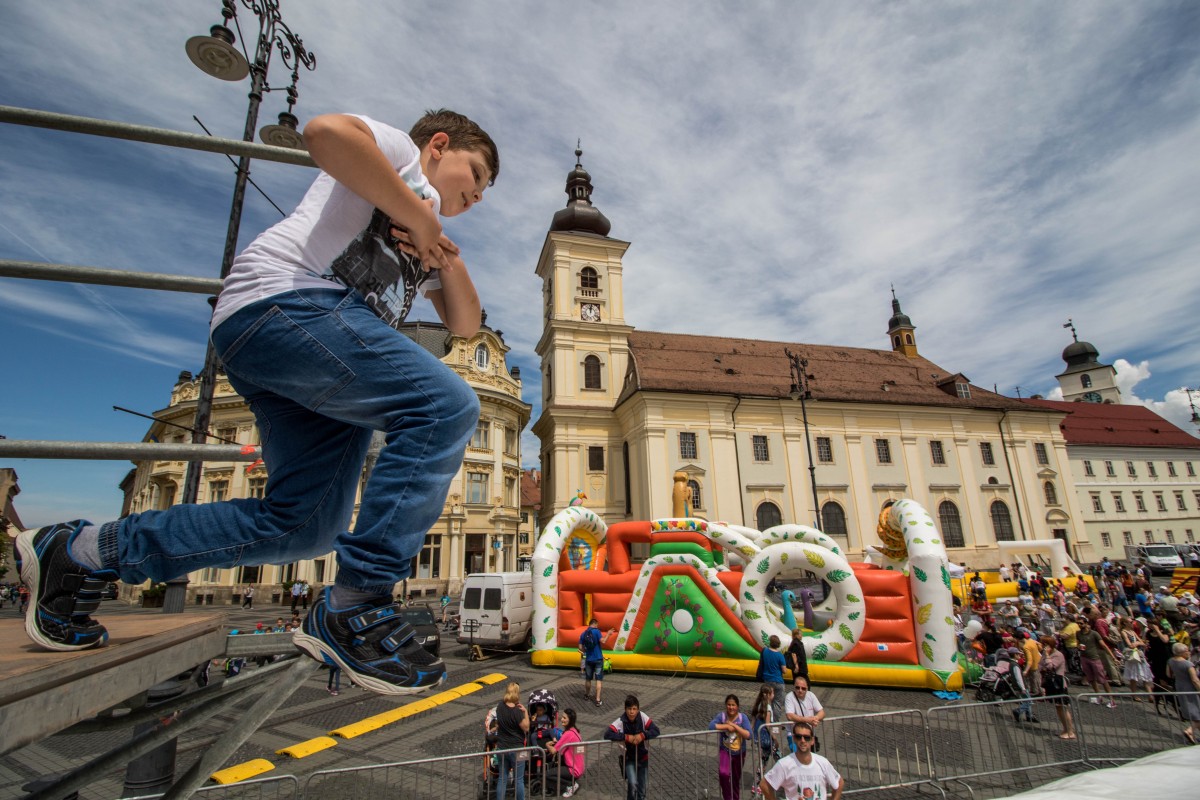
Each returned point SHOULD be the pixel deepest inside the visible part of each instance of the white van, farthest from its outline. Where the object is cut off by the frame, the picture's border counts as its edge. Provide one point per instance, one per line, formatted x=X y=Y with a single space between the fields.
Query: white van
x=1159 y=557
x=496 y=610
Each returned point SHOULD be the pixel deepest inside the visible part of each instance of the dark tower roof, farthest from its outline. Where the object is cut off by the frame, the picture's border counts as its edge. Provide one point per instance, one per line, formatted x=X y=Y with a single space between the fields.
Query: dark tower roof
x=580 y=216
x=1080 y=356
x=899 y=318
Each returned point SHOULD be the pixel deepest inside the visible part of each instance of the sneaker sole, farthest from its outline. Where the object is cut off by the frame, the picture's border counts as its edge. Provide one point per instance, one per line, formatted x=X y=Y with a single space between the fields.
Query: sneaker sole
x=316 y=648
x=31 y=573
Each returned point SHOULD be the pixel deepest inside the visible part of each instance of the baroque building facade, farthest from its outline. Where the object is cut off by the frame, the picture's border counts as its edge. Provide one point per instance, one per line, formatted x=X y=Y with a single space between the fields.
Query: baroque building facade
x=624 y=410
x=480 y=525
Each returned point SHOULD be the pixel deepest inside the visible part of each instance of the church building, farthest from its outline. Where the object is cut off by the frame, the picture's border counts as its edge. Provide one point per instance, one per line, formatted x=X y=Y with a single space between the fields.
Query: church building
x=769 y=432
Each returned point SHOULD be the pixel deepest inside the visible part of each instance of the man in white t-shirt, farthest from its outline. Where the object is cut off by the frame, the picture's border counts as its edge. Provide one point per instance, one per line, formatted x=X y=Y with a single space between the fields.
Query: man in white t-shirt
x=803 y=774
x=802 y=705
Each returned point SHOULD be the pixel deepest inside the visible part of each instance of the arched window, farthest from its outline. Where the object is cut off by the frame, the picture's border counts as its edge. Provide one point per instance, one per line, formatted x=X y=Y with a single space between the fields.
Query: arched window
x=1002 y=522
x=908 y=338
x=1086 y=380
x=591 y=373
x=694 y=494
x=588 y=279
x=481 y=356
x=1051 y=494
x=951 y=524
x=895 y=341
x=833 y=519
x=768 y=516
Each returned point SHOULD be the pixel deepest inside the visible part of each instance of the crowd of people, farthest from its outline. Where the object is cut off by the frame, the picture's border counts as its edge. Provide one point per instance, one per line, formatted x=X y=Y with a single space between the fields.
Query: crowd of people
x=1116 y=630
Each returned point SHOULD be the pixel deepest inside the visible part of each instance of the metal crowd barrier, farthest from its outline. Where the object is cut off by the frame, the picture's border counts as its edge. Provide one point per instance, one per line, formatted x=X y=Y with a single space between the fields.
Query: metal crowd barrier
x=1141 y=723
x=279 y=787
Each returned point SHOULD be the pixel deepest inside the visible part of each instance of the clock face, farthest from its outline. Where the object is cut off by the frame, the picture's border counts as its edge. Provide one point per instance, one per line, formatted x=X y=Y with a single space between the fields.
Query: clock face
x=1092 y=397
x=590 y=312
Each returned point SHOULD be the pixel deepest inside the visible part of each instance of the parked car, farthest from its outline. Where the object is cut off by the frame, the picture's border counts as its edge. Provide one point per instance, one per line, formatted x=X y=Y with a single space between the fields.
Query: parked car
x=421 y=618
x=110 y=592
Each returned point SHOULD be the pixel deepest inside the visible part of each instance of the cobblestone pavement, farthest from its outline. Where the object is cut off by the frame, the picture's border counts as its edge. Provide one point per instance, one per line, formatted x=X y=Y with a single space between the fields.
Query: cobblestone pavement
x=869 y=751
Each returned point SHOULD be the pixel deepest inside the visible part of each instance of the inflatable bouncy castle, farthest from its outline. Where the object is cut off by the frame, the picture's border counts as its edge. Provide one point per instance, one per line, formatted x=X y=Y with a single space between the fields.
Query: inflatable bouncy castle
x=699 y=604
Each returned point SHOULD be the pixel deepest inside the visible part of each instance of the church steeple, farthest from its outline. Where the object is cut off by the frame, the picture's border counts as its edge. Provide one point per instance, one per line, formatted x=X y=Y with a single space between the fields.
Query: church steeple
x=1085 y=378
x=580 y=215
x=900 y=330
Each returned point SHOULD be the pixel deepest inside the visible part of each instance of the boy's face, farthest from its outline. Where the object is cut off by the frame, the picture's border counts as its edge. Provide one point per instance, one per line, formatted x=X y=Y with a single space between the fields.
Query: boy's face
x=460 y=176
x=631 y=712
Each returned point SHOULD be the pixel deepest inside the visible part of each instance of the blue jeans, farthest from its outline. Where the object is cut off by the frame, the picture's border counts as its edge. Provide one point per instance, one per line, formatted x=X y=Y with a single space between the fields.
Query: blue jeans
x=635 y=779
x=320 y=372
x=508 y=760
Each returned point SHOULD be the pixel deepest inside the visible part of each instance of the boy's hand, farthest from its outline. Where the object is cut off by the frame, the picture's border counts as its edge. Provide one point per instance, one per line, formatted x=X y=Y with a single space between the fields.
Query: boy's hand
x=426 y=242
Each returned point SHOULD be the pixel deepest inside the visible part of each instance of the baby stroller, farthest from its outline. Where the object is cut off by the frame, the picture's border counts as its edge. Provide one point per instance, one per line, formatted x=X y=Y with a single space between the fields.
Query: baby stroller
x=998 y=683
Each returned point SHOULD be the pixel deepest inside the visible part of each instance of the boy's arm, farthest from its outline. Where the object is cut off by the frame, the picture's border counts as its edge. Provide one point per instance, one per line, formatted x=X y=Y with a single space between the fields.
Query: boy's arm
x=344 y=147
x=457 y=303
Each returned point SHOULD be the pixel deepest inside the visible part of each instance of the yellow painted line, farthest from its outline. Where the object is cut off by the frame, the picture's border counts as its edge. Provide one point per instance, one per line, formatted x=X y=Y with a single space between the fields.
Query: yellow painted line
x=244 y=771
x=378 y=721
x=302 y=749
x=495 y=677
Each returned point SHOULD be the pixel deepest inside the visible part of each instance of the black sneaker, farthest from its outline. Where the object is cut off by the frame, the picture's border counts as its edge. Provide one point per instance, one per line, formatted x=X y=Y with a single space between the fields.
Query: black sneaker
x=62 y=594
x=368 y=641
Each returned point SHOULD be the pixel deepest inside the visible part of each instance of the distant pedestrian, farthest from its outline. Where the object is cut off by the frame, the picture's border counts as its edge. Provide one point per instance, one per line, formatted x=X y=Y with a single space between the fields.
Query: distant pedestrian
x=762 y=716
x=334 y=684
x=797 y=657
x=771 y=664
x=804 y=706
x=803 y=774
x=297 y=587
x=731 y=749
x=1187 y=683
x=513 y=721
x=591 y=641
x=248 y=597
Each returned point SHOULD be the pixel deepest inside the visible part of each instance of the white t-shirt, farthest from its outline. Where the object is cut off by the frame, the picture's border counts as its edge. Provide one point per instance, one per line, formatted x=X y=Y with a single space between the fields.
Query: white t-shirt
x=812 y=781
x=808 y=708
x=298 y=252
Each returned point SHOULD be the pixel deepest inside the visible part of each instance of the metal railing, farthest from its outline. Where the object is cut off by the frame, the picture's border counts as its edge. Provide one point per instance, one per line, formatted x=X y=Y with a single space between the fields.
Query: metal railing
x=277 y=787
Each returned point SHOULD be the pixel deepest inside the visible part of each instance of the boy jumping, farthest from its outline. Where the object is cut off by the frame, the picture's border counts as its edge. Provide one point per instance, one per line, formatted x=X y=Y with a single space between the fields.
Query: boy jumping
x=304 y=327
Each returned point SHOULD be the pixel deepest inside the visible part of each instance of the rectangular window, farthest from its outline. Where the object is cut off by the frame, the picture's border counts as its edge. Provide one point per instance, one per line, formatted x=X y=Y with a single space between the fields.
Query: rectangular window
x=210 y=575
x=510 y=440
x=687 y=445
x=1139 y=502
x=477 y=484
x=1109 y=469
x=1188 y=534
x=1127 y=537
x=510 y=491
x=963 y=390
x=1158 y=499
x=1191 y=471
x=471 y=598
x=824 y=450
x=1105 y=540
x=217 y=491
x=937 y=452
x=319 y=571
x=1097 y=503
x=1118 y=501
x=596 y=458
x=1196 y=497
x=883 y=451
x=1171 y=469
x=523 y=538
x=227 y=435
x=1179 y=501
x=1148 y=536
x=985 y=452
x=1170 y=536
x=524 y=517
x=1131 y=469
x=429 y=563
x=761 y=451
x=480 y=439
x=1150 y=469
x=258 y=488
x=1087 y=469
x=1039 y=450
x=491 y=599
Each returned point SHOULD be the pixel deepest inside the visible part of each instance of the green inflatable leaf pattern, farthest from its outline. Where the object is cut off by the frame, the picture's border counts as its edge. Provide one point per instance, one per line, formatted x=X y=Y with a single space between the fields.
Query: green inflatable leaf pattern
x=837 y=576
x=836 y=550
x=945 y=576
x=918 y=541
x=783 y=558
x=763 y=566
x=820 y=652
x=766 y=639
x=855 y=615
x=954 y=657
x=752 y=582
x=669 y=559
x=550 y=635
x=846 y=633
x=920 y=573
x=814 y=559
x=546 y=621
x=548 y=572
x=625 y=626
x=930 y=637
x=853 y=598
x=949 y=621
x=751 y=614
x=927 y=650
x=748 y=596
x=836 y=646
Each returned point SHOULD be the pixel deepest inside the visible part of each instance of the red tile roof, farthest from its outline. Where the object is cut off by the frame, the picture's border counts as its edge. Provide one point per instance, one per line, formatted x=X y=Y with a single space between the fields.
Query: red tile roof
x=1119 y=425
x=754 y=368
x=531 y=488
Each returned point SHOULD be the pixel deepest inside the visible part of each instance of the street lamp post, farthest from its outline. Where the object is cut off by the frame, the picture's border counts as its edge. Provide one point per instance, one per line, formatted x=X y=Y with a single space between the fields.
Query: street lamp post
x=216 y=55
x=802 y=390
x=1192 y=403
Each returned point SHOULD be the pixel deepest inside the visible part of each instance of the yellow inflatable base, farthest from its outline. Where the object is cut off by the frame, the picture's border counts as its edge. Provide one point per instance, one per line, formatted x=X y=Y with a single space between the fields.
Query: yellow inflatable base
x=896 y=676
x=999 y=590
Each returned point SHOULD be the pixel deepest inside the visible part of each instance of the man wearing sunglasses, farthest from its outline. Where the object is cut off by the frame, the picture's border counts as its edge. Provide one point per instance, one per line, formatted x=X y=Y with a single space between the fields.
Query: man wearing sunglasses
x=804 y=774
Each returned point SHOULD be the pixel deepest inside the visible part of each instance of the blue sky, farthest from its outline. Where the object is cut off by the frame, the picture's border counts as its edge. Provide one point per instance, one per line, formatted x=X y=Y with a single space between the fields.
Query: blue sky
x=776 y=167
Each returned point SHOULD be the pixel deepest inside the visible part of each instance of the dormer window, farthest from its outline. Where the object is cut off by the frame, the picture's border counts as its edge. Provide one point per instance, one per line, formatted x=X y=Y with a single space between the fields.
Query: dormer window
x=481 y=357
x=963 y=389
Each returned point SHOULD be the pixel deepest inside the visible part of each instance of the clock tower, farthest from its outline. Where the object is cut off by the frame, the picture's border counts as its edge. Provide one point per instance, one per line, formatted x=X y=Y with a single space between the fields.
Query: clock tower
x=584 y=350
x=1085 y=379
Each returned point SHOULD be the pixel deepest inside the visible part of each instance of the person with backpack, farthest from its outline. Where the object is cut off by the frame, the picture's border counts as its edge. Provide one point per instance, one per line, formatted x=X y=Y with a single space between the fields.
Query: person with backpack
x=731 y=750
x=512 y=720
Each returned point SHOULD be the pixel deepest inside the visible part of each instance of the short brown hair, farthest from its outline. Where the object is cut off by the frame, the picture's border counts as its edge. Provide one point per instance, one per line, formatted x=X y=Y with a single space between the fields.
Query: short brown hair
x=464 y=135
